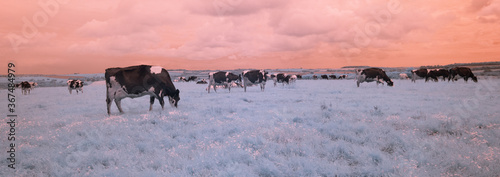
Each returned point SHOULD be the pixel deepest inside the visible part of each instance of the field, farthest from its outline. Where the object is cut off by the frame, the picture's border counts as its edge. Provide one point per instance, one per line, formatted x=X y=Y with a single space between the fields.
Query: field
x=308 y=128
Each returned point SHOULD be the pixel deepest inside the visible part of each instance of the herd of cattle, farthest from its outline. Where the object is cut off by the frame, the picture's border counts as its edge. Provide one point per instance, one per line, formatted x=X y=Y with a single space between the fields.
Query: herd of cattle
x=155 y=81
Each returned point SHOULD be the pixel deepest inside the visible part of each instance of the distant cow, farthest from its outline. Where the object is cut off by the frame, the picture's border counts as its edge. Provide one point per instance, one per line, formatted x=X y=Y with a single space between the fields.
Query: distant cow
x=324 y=76
x=332 y=76
x=419 y=73
x=254 y=77
x=203 y=81
x=315 y=77
x=190 y=78
x=75 y=85
x=26 y=87
x=342 y=76
x=464 y=72
x=403 y=76
x=284 y=78
x=299 y=76
x=222 y=78
x=436 y=73
x=372 y=74
x=137 y=81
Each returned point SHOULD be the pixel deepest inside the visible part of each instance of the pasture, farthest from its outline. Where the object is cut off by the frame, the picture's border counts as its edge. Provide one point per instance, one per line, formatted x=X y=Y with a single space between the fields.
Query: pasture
x=309 y=128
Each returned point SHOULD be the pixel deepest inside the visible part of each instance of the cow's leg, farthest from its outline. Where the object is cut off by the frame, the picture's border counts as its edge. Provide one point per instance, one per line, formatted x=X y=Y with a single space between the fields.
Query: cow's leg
x=162 y=102
x=357 y=83
x=118 y=103
x=209 y=85
x=69 y=90
x=229 y=87
x=151 y=101
x=108 y=104
x=215 y=86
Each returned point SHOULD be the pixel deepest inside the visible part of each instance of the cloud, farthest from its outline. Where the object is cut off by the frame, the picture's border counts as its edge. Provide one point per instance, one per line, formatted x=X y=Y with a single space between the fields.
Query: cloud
x=490 y=12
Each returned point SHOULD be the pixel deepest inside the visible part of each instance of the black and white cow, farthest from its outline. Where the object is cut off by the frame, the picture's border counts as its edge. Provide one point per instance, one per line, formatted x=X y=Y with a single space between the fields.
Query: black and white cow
x=223 y=78
x=284 y=78
x=137 y=81
x=190 y=78
x=75 y=85
x=464 y=72
x=333 y=76
x=25 y=87
x=372 y=74
x=343 y=76
x=436 y=73
x=254 y=77
x=324 y=76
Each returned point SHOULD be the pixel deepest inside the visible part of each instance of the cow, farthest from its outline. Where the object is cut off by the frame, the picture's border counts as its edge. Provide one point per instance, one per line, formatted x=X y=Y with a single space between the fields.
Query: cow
x=137 y=81
x=464 y=72
x=254 y=77
x=222 y=78
x=203 y=81
x=403 y=76
x=333 y=76
x=435 y=73
x=324 y=76
x=75 y=85
x=419 y=73
x=190 y=78
x=299 y=76
x=373 y=74
x=342 y=76
x=315 y=77
x=25 y=87
x=284 y=78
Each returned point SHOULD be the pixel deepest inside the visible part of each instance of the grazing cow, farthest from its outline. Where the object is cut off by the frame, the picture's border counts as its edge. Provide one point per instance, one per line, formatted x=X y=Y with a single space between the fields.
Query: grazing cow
x=342 y=76
x=435 y=73
x=203 y=81
x=254 y=77
x=464 y=72
x=422 y=73
x=190 y=78
x=26 y=87
x=75 y=85
x=324 y=76
x=284 y=78
x=137 y=81
x=373 y=74
x=222 y=78
x=333 y=76
x=299 y=76
x=403 y=76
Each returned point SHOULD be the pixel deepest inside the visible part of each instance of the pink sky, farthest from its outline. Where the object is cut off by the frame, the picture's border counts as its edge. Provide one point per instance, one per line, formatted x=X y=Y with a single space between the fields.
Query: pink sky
x=76 y=36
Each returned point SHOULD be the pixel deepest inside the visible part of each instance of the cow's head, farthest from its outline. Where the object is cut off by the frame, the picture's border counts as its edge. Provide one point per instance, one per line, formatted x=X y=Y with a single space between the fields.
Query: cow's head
x=390 y=83
x=174 y=98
